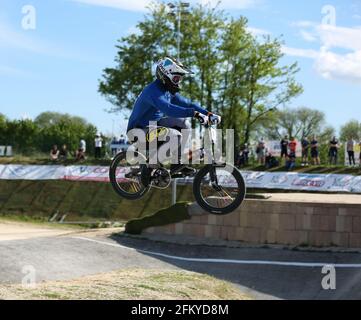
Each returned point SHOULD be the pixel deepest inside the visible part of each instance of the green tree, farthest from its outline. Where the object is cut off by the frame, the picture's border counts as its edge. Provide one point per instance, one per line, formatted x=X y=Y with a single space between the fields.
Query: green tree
x=235 y=73
x=350 y=130
x=135 y=58
x=59 y=129
x=268 y=84
x=235 y=48
x=3 y=130
x=299 y=122
x=22 y=135
x=200 y=49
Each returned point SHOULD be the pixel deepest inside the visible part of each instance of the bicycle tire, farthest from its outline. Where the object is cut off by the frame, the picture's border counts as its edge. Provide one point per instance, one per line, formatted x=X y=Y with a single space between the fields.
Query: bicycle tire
x=113 y=179
x=214 y=210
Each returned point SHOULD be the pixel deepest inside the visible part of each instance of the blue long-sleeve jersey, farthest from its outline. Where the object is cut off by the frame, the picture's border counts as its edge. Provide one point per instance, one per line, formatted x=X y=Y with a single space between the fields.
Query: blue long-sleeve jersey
x=155 y=102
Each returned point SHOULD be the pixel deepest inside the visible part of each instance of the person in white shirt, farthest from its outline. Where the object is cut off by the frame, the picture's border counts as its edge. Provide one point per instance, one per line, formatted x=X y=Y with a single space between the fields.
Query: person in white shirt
x=98 y=145
x=82 y=145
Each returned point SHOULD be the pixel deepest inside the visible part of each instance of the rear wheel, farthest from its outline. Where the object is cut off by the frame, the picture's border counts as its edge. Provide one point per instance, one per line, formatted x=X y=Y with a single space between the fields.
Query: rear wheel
x=219 y=189
x=125 y=175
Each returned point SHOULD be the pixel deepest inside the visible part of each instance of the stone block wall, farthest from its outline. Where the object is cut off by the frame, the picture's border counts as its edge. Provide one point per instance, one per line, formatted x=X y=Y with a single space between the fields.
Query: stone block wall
x=277 y=222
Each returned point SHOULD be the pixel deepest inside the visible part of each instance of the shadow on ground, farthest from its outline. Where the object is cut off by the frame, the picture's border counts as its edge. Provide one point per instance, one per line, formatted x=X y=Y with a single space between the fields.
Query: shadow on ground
x=261 y=281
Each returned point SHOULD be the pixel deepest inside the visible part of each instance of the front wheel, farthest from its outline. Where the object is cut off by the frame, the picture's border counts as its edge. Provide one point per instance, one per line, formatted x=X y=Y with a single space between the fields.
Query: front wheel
x=219 y=189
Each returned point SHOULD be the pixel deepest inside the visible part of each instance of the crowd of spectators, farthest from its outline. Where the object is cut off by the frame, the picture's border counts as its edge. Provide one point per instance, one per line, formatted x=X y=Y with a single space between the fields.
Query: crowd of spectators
x=264 y=157
x=288 y=153
x=118 y=144
x=59 y=154
x=63 y=153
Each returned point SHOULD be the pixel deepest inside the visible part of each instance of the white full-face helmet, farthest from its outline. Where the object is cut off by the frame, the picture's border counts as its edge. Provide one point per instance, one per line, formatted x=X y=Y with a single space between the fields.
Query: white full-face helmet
x=171 y=72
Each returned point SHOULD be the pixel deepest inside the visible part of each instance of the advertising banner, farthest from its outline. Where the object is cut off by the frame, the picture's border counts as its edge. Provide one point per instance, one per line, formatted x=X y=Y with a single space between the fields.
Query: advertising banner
x=86 y=173
x=31 y=172
x=259 y=180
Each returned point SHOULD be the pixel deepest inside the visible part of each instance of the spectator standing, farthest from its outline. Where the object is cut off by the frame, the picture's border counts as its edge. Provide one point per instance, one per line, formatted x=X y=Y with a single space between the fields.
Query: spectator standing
x=63 y=154
x=246 y=154
x=314 y=151
x=333 y=151
x=242 y=159
x=114 y=148
x=98 y=141
x=351 y=151
x=122 y=139
x=291 y=154
x=292 y=145
x=305 y=151
x=54 y=153
x=261 y=152
x=360 y=153
x=284 y=147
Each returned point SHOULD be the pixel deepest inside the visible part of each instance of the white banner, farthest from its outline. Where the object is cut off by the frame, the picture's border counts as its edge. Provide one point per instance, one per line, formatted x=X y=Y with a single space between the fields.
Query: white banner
x=301 y=181
x=31 y=172
x=294 y=181
x=86 y=173
x=261 y=180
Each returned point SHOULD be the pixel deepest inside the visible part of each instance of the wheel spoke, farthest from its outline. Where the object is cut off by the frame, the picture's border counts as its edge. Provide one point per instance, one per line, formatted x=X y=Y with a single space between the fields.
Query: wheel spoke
x=223 y=194
x=125 y=177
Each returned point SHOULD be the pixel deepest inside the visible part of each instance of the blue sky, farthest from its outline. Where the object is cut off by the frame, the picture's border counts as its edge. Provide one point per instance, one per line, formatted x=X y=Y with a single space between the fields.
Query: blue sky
x=57 y=66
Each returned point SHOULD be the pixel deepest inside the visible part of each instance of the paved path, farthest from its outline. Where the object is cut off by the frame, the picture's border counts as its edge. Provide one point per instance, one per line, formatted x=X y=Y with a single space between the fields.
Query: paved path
x=317 y=197
x=70 y=255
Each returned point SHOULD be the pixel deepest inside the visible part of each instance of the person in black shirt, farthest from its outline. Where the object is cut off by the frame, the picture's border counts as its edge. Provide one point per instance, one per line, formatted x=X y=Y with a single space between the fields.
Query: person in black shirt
x=333 y=151
x=314 y=151
x=246 y=154
x=305 y=151
x=284 y=147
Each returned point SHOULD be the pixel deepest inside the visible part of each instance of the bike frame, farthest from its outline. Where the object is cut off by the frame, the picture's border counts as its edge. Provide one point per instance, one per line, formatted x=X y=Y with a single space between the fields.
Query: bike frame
x=211 y=135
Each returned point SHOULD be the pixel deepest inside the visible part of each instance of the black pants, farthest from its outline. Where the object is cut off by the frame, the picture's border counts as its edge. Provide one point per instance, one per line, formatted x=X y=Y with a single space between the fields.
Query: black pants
x=98 y=152
x=284 y=152
x=351 y=157
x=333 y=155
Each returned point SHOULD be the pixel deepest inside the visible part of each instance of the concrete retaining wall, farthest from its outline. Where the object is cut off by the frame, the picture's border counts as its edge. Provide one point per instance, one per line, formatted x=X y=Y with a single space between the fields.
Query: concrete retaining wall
x=277 y=222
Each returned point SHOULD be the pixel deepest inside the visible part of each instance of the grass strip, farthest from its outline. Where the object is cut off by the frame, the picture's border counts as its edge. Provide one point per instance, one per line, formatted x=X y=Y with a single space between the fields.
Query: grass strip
x=173 y=214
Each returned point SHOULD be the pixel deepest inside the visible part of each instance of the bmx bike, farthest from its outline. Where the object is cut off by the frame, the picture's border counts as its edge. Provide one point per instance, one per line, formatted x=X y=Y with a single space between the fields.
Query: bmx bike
x=218 y=188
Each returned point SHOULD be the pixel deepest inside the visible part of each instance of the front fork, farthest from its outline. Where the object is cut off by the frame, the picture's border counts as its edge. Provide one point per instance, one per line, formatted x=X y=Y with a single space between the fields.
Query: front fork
x=214 y=179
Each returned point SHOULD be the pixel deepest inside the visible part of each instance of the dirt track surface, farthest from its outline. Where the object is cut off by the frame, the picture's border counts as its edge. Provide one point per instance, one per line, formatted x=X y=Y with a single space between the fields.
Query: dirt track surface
x=64 y=255
x=17 y=231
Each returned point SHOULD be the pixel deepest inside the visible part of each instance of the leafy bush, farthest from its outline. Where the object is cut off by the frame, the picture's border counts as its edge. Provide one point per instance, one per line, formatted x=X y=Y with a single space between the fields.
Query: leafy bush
x=49 y=128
